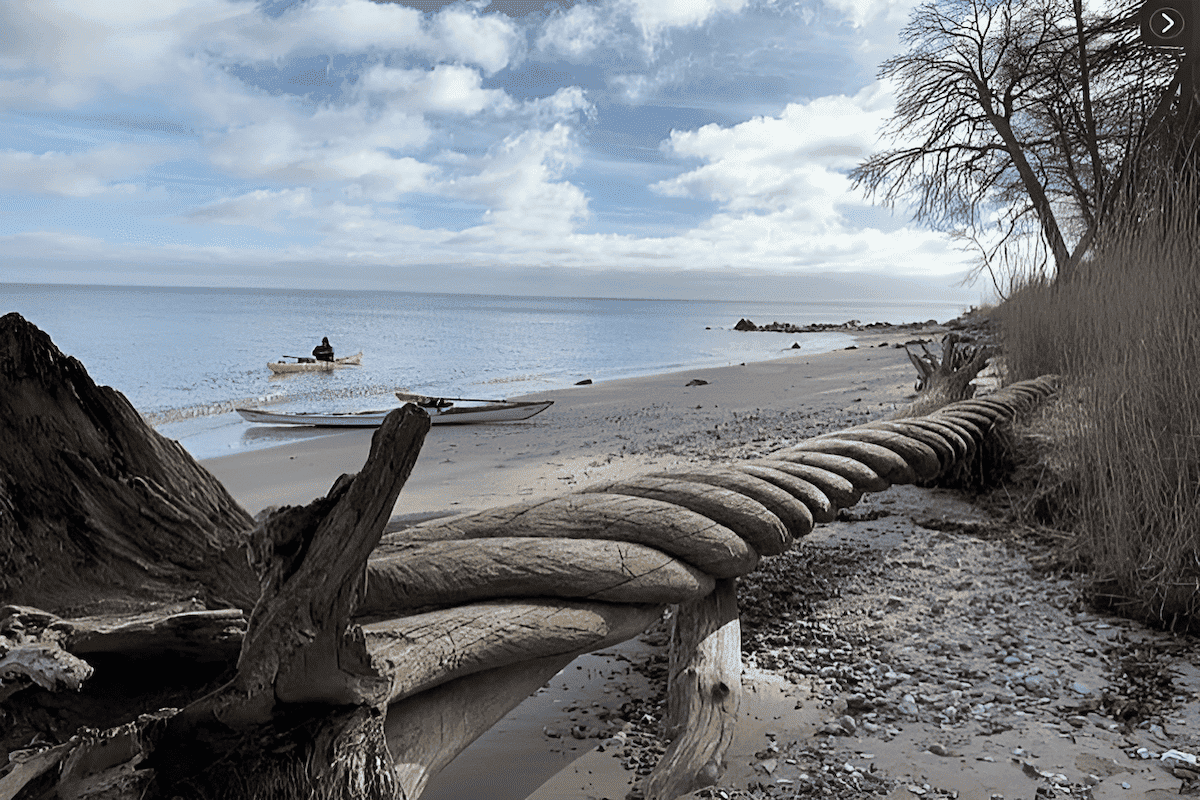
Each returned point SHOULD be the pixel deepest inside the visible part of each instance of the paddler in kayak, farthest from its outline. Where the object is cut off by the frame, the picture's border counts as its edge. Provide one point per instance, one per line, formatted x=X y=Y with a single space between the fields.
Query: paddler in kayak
x=323 y=351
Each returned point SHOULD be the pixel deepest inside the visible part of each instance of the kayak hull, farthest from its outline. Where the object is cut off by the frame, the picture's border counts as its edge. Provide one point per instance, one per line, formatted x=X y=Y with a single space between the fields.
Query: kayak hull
x=284 y=367
x=494 y=412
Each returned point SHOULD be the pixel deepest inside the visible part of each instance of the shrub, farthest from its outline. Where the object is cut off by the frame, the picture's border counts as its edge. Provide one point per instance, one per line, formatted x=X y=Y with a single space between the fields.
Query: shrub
x=1126 y=336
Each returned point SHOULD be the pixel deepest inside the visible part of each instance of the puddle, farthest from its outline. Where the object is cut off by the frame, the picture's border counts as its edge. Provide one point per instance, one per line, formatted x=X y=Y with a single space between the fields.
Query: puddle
x=515 y=756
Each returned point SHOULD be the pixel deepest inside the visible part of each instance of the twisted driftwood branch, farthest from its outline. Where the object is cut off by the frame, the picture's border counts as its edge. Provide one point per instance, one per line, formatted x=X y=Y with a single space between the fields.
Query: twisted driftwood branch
x=711 y=521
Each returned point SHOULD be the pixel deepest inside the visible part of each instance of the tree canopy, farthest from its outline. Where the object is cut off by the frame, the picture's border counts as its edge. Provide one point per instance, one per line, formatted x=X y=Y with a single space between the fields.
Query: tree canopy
x=1018 y=123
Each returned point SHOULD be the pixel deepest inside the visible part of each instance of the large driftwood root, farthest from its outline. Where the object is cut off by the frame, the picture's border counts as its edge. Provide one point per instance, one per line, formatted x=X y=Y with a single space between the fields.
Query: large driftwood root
x=303 y=714
x=947 y=378
x=97 y=511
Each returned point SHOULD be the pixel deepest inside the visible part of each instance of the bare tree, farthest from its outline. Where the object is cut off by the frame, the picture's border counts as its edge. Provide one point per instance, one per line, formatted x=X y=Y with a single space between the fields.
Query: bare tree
x=1019 y=119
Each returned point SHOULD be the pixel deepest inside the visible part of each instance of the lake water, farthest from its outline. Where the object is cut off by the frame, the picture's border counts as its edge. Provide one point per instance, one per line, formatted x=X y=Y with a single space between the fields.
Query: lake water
x=185 y=357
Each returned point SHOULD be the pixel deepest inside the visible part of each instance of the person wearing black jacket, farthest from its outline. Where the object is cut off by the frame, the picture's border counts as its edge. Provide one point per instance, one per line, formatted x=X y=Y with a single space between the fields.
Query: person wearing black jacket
x=323 y=351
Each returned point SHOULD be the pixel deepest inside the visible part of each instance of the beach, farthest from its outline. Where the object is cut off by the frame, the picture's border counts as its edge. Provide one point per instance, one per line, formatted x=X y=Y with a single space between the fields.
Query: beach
x=963 y=669
x=601 y=431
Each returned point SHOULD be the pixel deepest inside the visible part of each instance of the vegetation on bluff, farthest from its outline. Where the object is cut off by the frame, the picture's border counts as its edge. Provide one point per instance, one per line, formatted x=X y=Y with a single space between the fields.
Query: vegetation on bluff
x=1064 y=148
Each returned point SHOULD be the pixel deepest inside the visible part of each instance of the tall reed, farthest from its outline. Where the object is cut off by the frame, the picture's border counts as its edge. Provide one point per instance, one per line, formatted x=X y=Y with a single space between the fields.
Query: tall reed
x=1125 y=333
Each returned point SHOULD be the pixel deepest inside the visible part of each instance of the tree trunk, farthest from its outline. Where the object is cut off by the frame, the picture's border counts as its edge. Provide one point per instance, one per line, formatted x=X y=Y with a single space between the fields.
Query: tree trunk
x=705 y=691
x=98 y=513
x=304 y=713
x=946 y=379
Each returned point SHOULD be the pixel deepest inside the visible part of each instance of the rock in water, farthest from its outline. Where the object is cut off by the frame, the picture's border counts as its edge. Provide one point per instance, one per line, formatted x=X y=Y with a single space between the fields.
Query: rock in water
x=745 y=325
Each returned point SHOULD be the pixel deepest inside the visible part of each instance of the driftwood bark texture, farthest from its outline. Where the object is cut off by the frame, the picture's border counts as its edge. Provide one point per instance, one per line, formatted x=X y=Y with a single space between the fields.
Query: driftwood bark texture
x=303 y=714
x=704 y=693
x=946 y=378
x=98 y=513
x=301 y=649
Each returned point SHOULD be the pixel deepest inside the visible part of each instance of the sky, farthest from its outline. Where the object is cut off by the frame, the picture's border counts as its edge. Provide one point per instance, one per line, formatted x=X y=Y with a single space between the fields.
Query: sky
x=646 y=148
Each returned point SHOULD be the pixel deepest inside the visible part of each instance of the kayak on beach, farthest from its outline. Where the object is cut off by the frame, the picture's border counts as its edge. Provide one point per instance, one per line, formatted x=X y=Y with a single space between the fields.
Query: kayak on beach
x=305 y=364
x=444 y=415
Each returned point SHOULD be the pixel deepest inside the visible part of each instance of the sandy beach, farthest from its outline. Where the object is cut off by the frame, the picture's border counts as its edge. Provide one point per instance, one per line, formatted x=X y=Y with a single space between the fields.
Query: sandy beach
x=912 y=648
x=602 y=430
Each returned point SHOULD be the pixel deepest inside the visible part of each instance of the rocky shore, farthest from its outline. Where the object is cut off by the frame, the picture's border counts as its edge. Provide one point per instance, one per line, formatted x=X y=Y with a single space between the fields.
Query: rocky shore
x=818 y=327
x=925 y=646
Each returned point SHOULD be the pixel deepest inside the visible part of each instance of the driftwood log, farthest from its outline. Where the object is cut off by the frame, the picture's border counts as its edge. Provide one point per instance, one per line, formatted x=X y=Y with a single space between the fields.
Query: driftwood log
x=98 y=512
x=946 y=378
x=321 y=655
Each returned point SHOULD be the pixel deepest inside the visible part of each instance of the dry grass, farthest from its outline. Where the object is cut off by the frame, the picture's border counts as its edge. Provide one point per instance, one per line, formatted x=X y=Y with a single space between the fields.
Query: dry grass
x=1126 y=336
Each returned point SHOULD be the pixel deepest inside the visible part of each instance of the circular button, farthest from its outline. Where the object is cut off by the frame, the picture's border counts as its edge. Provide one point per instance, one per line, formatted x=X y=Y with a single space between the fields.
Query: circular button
x=1167 y=22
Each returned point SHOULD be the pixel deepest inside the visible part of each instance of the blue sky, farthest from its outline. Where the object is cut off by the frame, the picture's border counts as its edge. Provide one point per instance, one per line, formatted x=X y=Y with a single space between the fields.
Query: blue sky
x=656 y=145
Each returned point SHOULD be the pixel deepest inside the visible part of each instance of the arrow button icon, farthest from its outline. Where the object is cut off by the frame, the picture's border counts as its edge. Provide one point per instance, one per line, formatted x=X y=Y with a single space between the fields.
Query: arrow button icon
x=1167 y=22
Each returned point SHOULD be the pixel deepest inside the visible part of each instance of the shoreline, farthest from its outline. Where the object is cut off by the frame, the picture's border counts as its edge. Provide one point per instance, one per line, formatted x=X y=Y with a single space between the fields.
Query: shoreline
x=216 y=430
x=599 y=431
x=596 y=432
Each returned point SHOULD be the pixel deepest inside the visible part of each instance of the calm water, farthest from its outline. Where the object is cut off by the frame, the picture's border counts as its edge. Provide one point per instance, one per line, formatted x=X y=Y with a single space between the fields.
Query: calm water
x=185 y=357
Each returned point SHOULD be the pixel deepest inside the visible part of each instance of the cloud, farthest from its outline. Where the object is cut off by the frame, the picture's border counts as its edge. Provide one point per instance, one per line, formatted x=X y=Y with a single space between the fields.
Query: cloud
x=64 y=53
x=861 y=13
x=520 y=183
x=447 y=88
x=259 y=209
x=576 y=33
x=435 y=138
x=359 y=143
x=81 y=174
x=792 y=161
x=653 y=16
x=459 y=32
x=491 y=41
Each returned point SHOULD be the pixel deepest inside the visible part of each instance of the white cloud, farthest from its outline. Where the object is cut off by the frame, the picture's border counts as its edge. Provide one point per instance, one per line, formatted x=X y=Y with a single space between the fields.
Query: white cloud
x=654 y=17
x=457 y=32
x=65 y=53
x=357 y=143
x=519 y=181
x=576 y=33
x=259 y=209
x=773 y=163
x=335 y=165
x=82 y=174
x=860 y=13
x=491 y=41
x=447 y=88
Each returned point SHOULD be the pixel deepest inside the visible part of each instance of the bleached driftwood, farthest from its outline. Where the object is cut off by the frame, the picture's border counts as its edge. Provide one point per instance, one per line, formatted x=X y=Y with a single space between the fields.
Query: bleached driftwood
x=704 y=692
x=946 y=378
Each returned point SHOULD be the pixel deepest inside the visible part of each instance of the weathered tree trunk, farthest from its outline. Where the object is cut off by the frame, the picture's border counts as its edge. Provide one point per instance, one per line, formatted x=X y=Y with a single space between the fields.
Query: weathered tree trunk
x=98 y=513
x=948 y=378
x=704 y=693
x=304 y=713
